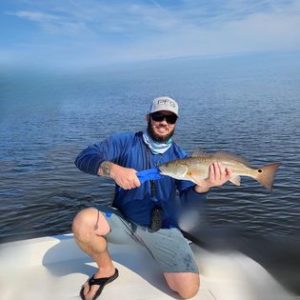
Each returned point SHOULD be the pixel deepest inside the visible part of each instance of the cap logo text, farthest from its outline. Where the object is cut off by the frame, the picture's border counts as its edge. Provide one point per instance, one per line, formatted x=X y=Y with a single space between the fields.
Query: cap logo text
x=166 y=102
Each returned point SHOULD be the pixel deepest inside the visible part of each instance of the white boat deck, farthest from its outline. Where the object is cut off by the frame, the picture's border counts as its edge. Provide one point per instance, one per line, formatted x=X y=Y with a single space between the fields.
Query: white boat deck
x=54 y=268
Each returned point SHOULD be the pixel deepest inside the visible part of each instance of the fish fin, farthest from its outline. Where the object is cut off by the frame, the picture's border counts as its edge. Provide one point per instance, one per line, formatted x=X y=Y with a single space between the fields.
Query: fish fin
x=220 y=155
x=236 y=180
x=227 y=155
x=182 y=169
x=198 y=181
x=192 y=177
x=199 y=152
x=265 y=175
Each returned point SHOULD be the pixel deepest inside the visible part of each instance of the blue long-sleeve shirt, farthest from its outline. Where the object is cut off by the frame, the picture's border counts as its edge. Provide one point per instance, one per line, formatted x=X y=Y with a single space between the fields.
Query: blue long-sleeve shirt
x=129 y=150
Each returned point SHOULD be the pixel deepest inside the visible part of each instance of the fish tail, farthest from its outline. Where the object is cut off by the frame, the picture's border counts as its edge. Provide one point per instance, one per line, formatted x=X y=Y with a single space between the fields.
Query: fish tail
x=266 y=174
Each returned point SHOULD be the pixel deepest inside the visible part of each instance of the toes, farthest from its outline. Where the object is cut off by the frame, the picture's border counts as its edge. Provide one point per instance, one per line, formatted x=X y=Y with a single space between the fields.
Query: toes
x=84 y=291
x=88 y=291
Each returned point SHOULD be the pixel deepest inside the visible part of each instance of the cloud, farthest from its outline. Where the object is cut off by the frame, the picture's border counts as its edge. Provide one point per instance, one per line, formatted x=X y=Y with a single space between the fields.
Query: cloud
x=261 y=30
x=113 y=31
x=52 y=23
x=36 y=16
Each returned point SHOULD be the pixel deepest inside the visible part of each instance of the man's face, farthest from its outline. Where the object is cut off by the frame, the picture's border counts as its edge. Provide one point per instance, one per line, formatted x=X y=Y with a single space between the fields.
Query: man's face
x=160 y=125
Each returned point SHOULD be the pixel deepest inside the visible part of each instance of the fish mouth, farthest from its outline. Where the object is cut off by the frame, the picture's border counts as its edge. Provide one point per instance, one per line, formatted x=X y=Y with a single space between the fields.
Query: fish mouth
x=162 y=170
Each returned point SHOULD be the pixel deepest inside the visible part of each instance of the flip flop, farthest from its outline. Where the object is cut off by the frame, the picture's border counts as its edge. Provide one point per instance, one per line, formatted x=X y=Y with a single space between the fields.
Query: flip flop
x=101 y=282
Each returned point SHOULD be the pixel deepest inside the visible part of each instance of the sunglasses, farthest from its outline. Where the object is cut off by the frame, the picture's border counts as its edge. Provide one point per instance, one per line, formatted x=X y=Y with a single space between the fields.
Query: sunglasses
x=159 y=117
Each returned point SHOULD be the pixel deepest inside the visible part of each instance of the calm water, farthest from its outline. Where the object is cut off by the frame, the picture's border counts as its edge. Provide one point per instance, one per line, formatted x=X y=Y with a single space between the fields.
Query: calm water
x=246 y=105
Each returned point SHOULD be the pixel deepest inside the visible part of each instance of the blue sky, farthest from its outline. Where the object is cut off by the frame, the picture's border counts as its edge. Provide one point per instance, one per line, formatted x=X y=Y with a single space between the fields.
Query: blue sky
x=94 y=32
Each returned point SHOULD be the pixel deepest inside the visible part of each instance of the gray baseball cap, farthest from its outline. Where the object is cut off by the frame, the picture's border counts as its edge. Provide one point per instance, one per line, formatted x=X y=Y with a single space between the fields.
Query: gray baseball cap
x=164 y=103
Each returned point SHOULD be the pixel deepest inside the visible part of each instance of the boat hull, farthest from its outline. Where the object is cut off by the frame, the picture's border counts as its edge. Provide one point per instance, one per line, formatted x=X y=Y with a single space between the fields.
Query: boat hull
x=54 y=268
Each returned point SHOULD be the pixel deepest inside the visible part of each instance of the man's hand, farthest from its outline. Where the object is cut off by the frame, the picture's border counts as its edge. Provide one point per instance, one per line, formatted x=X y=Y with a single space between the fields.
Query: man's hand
x=124 y=177
x=217 y=176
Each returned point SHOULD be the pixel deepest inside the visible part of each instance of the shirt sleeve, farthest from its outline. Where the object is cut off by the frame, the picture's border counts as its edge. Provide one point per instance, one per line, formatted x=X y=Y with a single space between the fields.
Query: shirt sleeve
x=188 y=194
x=110 y=149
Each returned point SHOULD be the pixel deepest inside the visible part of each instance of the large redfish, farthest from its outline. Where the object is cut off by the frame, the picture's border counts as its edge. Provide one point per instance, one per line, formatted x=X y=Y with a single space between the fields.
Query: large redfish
x=196 y=168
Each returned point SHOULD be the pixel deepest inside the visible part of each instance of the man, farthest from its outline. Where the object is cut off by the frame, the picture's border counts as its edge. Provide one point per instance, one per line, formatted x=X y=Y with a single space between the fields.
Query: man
x=146 y=212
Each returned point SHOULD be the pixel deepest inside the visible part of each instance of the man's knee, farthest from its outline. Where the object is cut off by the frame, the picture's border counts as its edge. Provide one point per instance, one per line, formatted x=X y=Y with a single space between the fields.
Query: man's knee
x=88 y=222
x=184 y=284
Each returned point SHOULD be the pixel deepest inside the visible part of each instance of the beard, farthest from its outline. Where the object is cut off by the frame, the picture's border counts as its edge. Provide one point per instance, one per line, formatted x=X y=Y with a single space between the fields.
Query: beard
x=158 y=138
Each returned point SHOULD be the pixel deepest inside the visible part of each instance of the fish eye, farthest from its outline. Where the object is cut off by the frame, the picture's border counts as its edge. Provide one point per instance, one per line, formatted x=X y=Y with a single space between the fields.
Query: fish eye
x=259 y=170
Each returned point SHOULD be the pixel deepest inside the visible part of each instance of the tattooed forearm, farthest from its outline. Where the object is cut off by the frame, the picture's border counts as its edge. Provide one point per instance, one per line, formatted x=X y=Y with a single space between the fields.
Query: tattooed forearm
x=105 y=168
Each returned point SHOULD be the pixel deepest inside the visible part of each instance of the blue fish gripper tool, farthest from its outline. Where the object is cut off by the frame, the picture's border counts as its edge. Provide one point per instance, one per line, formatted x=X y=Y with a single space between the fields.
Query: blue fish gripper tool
x=149 y=174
